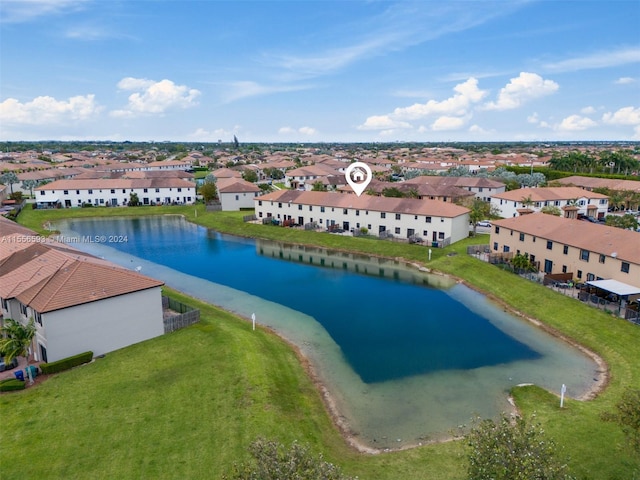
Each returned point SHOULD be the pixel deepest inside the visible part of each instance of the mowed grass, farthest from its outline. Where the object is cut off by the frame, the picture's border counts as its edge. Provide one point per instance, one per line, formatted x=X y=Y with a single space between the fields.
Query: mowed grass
x=169 y=410
x=185 y=405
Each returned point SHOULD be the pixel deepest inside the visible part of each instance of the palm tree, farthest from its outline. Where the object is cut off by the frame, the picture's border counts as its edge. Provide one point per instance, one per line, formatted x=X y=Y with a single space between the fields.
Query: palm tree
x=16 y=339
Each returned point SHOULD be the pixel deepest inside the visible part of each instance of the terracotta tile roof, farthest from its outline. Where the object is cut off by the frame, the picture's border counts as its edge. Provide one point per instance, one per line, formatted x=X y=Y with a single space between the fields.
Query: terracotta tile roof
x=8 y=227
x=116 y=183
x=367 y=202
x=548 y=193
x=48 y=275
x=462 y=182
x=81 y=282
x=593 y=182
x=226 y=173
x=577 y=233
x=236 y=185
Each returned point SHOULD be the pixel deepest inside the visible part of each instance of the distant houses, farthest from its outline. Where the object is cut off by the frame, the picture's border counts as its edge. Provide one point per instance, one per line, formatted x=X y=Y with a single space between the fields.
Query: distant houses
x=527 y=200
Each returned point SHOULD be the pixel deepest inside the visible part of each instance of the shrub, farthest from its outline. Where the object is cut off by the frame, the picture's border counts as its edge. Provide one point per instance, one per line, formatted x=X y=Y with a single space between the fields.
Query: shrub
x=516 y=450
x=627 y=416
x=11 y=384
x=66 y=363
x=274 y=461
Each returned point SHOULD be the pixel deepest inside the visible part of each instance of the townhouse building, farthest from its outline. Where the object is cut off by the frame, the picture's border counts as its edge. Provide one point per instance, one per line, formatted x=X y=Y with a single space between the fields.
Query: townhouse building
x=115 y=192
x=437 y=223
x=527 y=200
x=78 y=302
x=236 y=193
x=564 y=245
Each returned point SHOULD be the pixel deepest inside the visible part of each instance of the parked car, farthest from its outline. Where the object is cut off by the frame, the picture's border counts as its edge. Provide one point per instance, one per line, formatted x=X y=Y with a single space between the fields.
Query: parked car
x=8 y=366
x=484 y=223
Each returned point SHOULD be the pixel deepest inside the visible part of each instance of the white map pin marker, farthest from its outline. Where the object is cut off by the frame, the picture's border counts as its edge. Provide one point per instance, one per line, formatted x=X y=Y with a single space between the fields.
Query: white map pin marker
x=358 y=176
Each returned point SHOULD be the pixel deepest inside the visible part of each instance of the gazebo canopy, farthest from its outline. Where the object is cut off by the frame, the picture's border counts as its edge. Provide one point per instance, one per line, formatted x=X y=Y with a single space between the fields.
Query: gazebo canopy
x=614 y=286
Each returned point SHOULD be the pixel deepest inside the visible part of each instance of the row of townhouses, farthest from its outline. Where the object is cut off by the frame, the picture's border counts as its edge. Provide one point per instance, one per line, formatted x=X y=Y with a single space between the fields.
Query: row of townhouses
x=433 y=221
x=563 y=245
x=115 y=192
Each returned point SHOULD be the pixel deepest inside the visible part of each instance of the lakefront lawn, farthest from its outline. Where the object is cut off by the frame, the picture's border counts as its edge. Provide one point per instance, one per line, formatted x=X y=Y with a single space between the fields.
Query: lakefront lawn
x=188 y=404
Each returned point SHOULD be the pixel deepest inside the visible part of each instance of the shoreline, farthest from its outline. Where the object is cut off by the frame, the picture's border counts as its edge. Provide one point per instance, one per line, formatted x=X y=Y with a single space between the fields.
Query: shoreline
x=328 y=400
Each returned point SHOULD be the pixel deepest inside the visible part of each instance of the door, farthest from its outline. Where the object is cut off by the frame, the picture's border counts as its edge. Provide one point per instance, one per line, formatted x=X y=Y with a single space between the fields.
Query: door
x=410 y=232
x=345 y=226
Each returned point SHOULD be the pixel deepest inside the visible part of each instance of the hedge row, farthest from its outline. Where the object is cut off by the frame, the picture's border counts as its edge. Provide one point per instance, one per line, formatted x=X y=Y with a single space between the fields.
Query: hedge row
x=66 y=363
x=11 y=384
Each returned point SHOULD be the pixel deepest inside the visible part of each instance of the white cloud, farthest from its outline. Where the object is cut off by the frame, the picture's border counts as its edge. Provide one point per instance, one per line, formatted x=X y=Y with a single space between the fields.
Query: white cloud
x=307 y=131
x=47 y=110
x=478 y=129
x=153 y=97
x=453 y=112
x=588 y=110
x=382 y=122
x=449 y=123
x=574 y=123
x=210 y=136
x=613 y=58
x=625 y=81
x=467 y=93
x=521 y=89
x=16 y=11
x=623 y=116
x=533 y=118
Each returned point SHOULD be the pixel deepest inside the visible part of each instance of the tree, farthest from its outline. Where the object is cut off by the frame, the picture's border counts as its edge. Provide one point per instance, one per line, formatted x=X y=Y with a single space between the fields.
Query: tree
x=209 y=192
x=319 y=187
x=551 y=210
x=517 y=450
x=30 y=185
x=134 y=201
x=250 y=176
x=9 y=178
x=522 y=263
x=272 y=461
x=16 y=339
x=627 y=416
x=236 y=143
x=626 y=221
x=392 y=192
x=478 y=211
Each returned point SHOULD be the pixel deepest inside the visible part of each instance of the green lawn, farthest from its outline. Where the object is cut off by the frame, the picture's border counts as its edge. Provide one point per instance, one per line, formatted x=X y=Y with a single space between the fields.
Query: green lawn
x=187 y=405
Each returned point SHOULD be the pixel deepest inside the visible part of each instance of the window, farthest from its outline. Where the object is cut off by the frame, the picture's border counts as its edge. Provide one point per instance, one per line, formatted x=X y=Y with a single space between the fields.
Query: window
x=579 y=273
x=601 y=258
x=23 y=309
x=179 y=189
x=237 y=198
x=397 y=216
x=590 y=277
x=310 y=208
x=564 y=269
x=77 y=192
x=113 y=190
x=279 y=204
x=624 y=267
x=259 y=203
x=37 y=317
x=397 y=230
x=344 y=211
x=322 y=209
x=549 y=245
x=505 y=248
x=440 y=235
x=497 y=229
x=425 y=233
x=357 y=213
x=565 y=249
x=584 y=255
x=41 y=192
x=66 y=192
x=157 y=190
x=495 y=246
x=383 y=215
x=145 y=190
x=427 y=219
x=124 y=190
x=90 y=192
x=522 y=237
x=299 y=207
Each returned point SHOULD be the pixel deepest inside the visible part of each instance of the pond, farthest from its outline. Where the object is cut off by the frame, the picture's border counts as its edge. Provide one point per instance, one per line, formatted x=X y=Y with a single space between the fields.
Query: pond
x=407 y=356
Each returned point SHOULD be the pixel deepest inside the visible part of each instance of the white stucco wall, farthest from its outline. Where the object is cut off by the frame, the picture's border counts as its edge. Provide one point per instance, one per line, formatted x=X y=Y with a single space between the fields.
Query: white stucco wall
x=102 y=326
x=236 y=201
x=103 y=196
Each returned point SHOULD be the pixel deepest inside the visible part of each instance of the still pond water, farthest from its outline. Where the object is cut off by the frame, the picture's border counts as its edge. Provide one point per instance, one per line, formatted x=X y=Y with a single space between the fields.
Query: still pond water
x=407 y=356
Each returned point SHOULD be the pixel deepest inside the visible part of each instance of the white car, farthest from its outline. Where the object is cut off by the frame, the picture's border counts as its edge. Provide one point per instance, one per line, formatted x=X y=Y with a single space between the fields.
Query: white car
x=484 y=223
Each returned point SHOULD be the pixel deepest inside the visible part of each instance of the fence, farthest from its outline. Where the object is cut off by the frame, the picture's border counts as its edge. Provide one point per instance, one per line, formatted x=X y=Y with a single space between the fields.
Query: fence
x=249 y=218
x=186 y=315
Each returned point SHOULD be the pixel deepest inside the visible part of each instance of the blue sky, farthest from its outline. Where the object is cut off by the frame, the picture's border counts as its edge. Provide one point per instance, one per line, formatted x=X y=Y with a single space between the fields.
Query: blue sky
x=311 y=71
